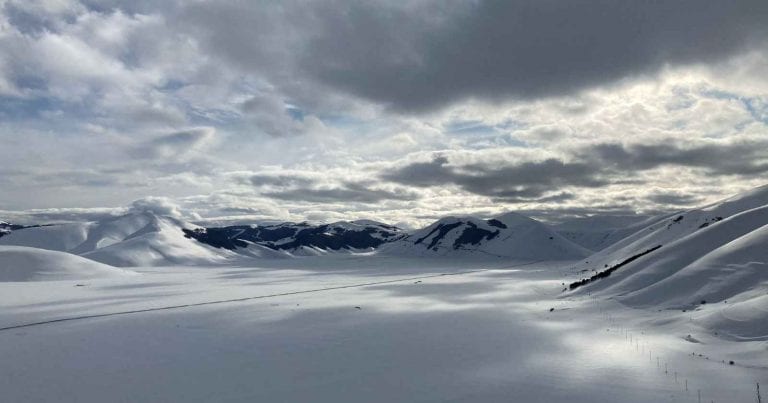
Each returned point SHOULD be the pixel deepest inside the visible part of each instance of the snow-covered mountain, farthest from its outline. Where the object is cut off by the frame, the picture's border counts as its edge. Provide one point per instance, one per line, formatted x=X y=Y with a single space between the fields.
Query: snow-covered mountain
x=139 y=238
x=509 y=235
x=300 y=238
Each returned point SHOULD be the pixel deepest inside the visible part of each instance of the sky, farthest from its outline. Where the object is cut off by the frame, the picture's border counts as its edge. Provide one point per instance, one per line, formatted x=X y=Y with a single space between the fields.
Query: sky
x=400 y=111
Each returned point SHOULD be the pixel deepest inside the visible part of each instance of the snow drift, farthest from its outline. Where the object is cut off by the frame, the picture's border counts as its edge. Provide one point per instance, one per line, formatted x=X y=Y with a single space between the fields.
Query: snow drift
x=19 y=263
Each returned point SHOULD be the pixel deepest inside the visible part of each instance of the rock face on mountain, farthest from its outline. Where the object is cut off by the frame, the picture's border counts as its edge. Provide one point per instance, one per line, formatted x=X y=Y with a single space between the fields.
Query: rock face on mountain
x=354 y=235
x=510 y=236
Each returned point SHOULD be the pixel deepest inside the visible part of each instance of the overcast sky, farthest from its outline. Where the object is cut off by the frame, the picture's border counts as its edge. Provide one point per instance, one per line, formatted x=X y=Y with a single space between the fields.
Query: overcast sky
x=401 y=111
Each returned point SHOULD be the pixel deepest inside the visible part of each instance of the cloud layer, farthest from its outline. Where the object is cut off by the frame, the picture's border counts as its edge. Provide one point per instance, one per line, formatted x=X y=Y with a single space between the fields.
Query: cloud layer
x=398 y=111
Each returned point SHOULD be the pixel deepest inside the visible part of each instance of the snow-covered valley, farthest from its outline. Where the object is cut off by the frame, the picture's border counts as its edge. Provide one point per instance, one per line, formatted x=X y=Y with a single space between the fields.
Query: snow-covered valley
x=356 y=329
x=145 y=307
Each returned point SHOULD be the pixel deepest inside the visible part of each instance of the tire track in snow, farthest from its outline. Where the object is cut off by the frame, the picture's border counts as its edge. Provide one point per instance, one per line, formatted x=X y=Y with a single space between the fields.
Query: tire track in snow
x=265 y=296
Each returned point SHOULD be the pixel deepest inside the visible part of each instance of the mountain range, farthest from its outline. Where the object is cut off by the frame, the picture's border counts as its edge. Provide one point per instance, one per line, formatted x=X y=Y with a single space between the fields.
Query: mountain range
x=716 y=253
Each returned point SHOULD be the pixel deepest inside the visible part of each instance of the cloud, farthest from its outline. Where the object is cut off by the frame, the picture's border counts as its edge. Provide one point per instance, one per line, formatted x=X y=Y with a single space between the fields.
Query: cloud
x=349 y=192
x=742 y=158
x=156 y=205
x=511 y=182
x=175 y=145
x=674 y=199
x=415 y=56
x=400 y=111
x=57 y=215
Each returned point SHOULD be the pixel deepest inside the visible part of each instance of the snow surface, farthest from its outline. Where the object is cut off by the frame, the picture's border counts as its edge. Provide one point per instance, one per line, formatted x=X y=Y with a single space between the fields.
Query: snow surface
x=350 y=328
x=134 y=239
x=19 y=263
x=465 y=310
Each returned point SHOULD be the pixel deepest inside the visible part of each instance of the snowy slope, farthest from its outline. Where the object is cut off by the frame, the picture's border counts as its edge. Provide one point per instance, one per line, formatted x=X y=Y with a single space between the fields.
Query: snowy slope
x=19 y=263
x=598 y=232
x=160 y=242
x=712 y=260
x=139 y=238
x=510 y=235
x=676 y=226
x=711 y=264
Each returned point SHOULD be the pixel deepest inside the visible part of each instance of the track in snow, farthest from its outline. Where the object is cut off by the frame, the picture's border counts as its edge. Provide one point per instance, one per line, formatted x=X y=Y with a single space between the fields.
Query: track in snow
x=226 y=301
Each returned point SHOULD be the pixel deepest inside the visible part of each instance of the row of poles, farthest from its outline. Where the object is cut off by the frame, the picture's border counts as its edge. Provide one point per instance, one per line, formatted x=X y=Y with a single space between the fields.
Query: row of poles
x=640 y=348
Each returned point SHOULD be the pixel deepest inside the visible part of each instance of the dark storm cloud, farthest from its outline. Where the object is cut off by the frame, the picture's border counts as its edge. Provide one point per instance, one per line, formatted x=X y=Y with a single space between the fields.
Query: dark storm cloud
x=347 y=192
x=720 y=159
x=594 y=167
x=422 y=55
x=498 y=49
x=521 y=182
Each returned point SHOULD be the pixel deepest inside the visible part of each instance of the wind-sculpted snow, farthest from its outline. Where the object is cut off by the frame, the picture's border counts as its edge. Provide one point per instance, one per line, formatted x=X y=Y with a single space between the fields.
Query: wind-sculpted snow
x=134 y=239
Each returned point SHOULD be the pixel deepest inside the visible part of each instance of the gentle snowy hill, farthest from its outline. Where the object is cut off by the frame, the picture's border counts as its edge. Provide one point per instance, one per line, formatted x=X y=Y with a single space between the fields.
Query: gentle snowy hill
x=712 y=264
x=19 y=263
x=301 y=238
x=510 y=235
x=717 y=254
x=139 y=238
x=676 y=226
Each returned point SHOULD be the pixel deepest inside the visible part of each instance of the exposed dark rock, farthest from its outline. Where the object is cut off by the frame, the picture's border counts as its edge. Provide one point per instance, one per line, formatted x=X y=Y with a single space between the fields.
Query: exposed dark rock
x=496 y=223
x=289 y=236
x=473 y=236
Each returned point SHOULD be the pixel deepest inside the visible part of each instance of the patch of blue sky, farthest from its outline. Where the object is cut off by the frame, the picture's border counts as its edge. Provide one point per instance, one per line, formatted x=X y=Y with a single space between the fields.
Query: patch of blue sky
x=756 y=106
x=295 y=113
x=172 y=85
x=469 y=127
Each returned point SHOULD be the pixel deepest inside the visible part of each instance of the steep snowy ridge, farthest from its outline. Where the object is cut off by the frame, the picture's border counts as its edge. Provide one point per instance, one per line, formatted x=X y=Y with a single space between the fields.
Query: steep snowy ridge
x=299 y=238
x=510 y=235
